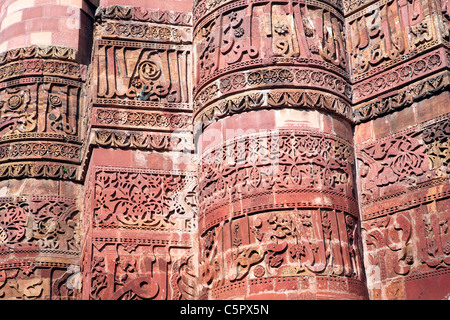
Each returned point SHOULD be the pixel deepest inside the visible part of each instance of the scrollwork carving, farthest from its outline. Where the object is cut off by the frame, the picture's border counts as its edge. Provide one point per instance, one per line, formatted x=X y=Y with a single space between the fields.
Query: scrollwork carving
x=285 y=159
x=151 y=75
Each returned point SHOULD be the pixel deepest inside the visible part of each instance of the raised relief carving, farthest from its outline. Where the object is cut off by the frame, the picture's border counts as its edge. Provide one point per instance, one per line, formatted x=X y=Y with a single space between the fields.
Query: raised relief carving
x=386 y=34
x=17 y=114
x=150 y=141
x=43 y=104
x=285 y=159
x=143 y=74
x=398 y=160
x=117 y=12
x=53 y=224
x=12 y=223
x=55 y=111
x=398 y=76
x=141 y=199
x=436 y=137
x=297 y=242
x=32 y=230
x=389 y=245
x=277 y=210
x=234 y=44
x=433 y=234
x=184 y=278
x=140 y=269
x=300 y=33
x=404 y=161
x=403 y=98
x=48 y=222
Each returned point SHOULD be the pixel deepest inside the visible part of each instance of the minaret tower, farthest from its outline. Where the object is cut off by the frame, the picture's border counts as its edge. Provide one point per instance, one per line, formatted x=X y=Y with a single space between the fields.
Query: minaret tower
x=278 y=213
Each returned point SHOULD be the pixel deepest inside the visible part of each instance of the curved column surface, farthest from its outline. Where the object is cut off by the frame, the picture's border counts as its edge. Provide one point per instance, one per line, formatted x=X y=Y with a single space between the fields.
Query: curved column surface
x=278 y=216
x=41 y=79
x=66 y=24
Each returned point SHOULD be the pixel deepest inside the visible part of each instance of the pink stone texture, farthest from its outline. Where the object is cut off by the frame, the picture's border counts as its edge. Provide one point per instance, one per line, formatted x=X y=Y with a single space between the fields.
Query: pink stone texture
x=220 y=150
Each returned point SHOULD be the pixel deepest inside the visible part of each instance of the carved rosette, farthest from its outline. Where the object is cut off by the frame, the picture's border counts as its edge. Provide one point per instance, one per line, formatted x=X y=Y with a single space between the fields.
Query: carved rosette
x=278 y=215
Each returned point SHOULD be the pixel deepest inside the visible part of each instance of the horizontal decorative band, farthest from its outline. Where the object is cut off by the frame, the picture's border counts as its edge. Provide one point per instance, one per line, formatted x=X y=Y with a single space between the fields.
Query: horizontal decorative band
x=118 y=12
x=43 y=52
x=19 y=170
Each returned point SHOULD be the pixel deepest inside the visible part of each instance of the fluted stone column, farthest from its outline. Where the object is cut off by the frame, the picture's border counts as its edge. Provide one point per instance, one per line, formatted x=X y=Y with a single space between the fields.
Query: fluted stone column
x=278 y=216
x=44 y=48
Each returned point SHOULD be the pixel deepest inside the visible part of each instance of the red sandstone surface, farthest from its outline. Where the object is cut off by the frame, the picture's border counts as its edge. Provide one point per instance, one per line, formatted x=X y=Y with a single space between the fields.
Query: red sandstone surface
x=224 y=149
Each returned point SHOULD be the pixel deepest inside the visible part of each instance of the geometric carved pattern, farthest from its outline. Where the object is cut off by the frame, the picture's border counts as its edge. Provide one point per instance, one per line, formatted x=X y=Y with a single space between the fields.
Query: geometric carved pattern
x=271 y=78
x=141 y=119
x=143 y=14
x=149 y=141
x=251 y=100
x=394 y=160
x=400 y=75
x=402 y=98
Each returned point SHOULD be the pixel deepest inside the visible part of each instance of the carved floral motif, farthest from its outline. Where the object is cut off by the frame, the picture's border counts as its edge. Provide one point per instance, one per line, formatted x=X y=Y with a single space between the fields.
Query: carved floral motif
x=154 y=75
x=281 y=159
x=326 y=55
x=282 y=244
x=141 y=119
x=148 y=199
x=151 y=141
x=404 y=160
x=403 y=98
x=143 y=14
x=437 y=139
x=394 y=160
x=143 y=32
x=397 y=76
